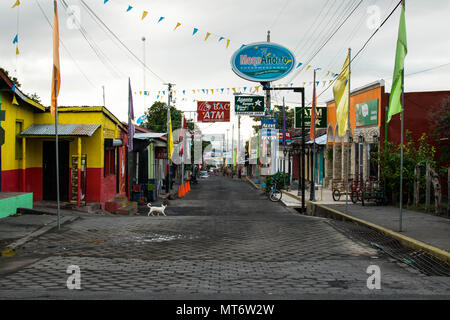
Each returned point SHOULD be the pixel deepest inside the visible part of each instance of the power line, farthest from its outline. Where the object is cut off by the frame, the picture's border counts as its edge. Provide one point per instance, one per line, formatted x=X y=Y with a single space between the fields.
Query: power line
x=360 y=50
x=120 y=41
x=330 y=25
x=65 y=48
x=329 y=38
x=97 y=51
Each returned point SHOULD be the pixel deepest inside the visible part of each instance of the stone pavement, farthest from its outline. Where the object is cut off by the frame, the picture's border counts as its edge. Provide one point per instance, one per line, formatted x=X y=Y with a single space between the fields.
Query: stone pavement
x=427 y=228
x=223 y=240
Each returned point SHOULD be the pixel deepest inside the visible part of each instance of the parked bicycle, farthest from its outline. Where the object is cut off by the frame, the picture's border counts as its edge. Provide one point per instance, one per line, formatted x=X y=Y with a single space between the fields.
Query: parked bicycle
x=274 y=192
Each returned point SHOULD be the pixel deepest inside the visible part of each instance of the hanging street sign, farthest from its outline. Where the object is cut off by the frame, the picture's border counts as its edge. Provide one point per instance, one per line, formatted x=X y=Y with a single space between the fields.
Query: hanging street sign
x=321 y=120
x=249 y=106
x=262 y=62
x=213 y=111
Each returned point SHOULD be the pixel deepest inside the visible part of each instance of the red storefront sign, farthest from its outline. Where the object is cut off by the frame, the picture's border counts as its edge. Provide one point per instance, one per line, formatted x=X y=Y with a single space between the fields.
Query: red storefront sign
x=213 y=111
x=280 y=135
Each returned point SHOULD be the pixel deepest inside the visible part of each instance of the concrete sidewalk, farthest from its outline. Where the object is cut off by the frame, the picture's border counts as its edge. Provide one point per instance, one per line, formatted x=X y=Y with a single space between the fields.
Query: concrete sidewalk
x=15 y=230
x=419 y=230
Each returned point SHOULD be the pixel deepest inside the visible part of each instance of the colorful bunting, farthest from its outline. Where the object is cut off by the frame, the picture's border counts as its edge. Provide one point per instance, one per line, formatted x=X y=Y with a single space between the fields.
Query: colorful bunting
x=16 y=39
x=195 y=31
x=207 y=35
x=14 y=100
x=178 y=24
x=299 y=64
x=221 y=38
x=129 y=8
x=228 y=43
x=144 y=14
x=160 y=19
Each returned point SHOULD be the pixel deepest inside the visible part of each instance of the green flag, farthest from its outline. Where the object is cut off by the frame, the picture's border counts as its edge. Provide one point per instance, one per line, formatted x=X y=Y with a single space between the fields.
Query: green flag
x=395 y=105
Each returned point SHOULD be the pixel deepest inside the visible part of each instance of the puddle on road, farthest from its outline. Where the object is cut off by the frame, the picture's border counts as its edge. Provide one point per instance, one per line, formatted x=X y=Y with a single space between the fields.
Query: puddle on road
x=156 y=237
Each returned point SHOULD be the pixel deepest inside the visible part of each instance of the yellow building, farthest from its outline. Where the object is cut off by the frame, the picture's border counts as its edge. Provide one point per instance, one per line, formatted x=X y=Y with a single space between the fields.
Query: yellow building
x=90 y=136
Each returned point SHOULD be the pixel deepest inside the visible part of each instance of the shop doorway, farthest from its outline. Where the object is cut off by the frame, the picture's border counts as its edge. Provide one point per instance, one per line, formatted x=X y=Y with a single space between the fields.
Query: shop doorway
x=49 y=170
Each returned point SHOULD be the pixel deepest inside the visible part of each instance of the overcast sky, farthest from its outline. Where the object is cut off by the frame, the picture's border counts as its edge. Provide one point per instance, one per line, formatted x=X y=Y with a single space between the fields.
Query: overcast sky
x=192 y=63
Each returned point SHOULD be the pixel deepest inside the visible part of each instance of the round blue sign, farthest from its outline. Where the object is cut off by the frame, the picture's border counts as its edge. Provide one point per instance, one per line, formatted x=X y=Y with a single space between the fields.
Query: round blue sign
x=262 y=61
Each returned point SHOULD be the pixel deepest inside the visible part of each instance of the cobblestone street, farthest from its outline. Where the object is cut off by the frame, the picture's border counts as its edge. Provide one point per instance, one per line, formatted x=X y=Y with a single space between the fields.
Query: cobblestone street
x=223 y=240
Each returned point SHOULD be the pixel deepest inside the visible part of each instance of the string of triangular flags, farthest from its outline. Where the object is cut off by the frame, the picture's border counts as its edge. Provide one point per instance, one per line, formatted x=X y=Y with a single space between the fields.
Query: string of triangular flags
x=219 y=38
x=159 y=19
x=229 y=90
x=16 y=37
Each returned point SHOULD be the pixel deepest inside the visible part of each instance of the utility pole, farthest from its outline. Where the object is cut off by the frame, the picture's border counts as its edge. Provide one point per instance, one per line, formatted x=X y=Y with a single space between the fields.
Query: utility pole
x=104 y=104
x=232 y=146
x=169 y=89
x=143 y=90
x=238 y=149
x=349 y=128
x=313 y=109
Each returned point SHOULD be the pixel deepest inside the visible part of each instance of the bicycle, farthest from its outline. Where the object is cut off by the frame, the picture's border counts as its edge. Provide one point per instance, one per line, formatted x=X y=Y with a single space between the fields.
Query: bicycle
x=274 y=193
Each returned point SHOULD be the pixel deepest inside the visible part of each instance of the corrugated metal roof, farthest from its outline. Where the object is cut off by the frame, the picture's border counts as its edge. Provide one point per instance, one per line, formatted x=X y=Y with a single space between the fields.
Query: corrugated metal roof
x=63 y=130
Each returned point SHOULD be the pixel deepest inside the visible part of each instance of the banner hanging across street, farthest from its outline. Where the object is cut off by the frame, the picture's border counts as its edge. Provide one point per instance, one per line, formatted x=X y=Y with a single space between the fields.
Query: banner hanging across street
x=249 y=106
x=213 y=111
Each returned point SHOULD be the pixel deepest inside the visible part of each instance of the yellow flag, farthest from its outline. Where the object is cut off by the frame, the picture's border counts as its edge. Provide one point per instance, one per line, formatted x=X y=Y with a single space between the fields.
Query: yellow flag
x=16 y=4
x=17 y=50
x=144 y=14
x=228 y=43
x=170 y=138
x=308 y=67
x=340 y=93
x=178 y=24
x=257 y=88
x=207 y=35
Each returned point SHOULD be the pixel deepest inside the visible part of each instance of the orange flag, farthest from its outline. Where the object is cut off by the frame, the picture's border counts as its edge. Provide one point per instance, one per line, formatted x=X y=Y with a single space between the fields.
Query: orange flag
x=56 y=76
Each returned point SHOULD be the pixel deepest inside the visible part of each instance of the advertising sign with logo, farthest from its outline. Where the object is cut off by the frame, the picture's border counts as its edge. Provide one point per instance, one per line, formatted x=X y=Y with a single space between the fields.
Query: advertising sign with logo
x=213 y=111
x=268 y=123
x=269 y=127
x=321 y=120
x=280 y=136
x=262 y=61
x=367 y=113
x=249 y=105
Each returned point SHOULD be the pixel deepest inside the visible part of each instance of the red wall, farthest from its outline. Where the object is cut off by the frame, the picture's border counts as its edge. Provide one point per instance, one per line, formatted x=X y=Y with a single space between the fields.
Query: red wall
x=12 y=181
x=418 y=106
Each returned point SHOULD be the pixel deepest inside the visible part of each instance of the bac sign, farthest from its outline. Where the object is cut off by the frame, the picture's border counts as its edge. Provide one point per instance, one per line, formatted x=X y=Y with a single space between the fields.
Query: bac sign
x=213 y=111
x=262 y=61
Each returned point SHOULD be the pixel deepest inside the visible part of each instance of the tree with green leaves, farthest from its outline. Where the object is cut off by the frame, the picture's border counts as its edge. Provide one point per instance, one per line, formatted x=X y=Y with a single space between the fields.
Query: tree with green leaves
x=416 y=153
x=157 y=118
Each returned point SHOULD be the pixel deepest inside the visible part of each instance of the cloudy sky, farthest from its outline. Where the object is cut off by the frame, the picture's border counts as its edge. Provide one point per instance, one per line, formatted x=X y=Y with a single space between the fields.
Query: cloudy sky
x=190 y=62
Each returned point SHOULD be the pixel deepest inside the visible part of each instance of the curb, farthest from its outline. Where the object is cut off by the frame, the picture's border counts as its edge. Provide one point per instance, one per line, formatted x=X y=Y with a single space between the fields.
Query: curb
x=406 y=241
x=40 y=231
x=252 y=183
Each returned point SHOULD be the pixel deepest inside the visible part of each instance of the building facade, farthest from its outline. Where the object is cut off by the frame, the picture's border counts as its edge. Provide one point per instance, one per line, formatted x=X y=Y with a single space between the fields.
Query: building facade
x=92 y=150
